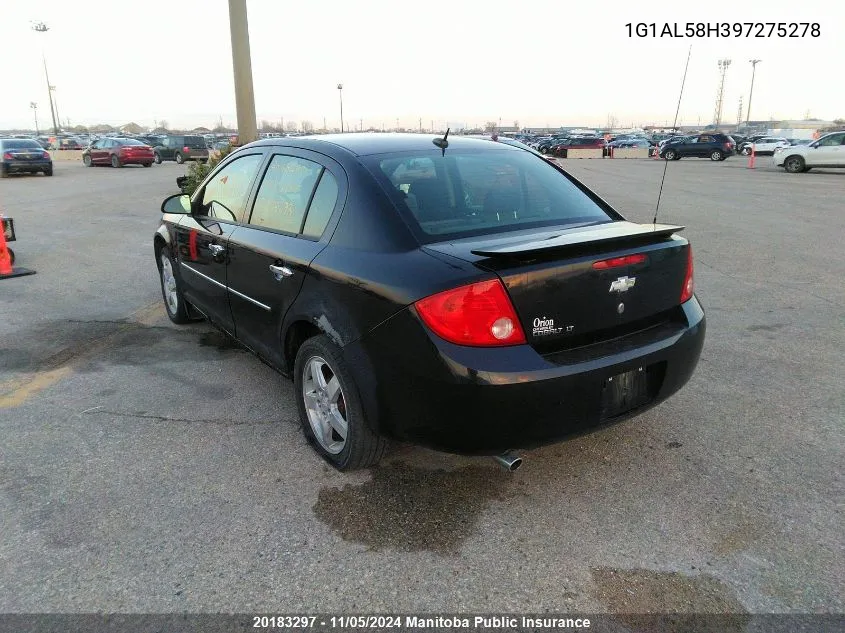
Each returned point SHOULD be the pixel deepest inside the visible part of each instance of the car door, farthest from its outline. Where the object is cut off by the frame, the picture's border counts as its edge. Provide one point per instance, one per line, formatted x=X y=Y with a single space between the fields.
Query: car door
x=270 y=255
x=827 y=151
x=202 y=237
x=102 y=153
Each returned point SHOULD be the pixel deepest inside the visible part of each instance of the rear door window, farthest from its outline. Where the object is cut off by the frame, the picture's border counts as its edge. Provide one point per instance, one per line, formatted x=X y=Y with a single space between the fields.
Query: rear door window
x=195 y=142
x=285 y=193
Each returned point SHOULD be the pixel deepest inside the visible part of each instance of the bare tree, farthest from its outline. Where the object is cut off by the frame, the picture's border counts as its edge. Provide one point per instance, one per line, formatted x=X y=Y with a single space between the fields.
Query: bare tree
x=490 y=126
x=307 y=126
x=265 y=126
x=291 y=126
x=162 y=124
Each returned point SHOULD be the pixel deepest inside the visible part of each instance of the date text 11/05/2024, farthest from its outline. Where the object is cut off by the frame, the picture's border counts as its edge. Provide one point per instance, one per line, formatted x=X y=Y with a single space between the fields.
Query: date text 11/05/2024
x=723 y=29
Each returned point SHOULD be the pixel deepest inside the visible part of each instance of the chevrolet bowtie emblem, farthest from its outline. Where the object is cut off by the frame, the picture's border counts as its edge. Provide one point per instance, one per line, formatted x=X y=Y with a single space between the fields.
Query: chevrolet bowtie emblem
x=623 y=284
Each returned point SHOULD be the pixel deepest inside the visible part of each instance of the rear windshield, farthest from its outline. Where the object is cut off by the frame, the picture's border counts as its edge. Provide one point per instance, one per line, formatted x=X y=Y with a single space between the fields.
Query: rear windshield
x=130 y=141
x=20 y=143
x=194 y=141
x=470 y=193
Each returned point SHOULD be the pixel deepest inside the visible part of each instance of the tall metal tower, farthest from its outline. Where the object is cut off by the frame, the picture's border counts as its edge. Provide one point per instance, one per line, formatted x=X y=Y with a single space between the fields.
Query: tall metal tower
x=717 y=115
x=739 y=113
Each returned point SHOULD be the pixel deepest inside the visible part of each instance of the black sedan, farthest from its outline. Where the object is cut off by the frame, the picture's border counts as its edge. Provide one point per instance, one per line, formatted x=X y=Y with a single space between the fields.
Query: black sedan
x=24 y=156
x=461 y=294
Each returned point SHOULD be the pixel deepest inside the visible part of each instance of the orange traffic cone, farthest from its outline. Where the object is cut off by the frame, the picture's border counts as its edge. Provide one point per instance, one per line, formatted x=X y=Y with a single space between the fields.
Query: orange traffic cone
x=751 y=157
x=656 y=155
x=6 y=269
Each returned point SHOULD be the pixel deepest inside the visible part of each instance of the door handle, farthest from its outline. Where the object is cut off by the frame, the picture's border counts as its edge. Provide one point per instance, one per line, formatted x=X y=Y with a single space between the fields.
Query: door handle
x=280 y=272
x=216 y=249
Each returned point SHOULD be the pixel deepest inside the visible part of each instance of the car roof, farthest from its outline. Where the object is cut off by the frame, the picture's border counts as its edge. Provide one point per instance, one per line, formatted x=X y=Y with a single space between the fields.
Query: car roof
x=366 y=143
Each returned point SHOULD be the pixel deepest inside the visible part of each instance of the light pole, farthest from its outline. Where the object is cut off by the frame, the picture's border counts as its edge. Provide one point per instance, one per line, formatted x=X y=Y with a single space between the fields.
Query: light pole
x=56 y=105
x=754 y=63
x=40 y=27
x=34 y=107
x=340 y=92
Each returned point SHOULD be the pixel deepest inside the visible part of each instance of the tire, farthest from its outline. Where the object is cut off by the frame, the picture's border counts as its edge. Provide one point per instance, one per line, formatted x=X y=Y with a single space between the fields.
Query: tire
x=716 y=155
x=171 y=292
x=86 y=160
x=179 y=158
x=544 y=150
x=157 y=158
x=671 y=155
x=745 y=151
x=148 y=164
x=11 y=256
x=48 y=172
x=115 y=161
x=794 y=165
x=360 y=447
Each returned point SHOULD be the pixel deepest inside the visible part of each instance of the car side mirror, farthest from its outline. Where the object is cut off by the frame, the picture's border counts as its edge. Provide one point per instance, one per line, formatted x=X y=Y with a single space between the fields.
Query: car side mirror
x=177 y=203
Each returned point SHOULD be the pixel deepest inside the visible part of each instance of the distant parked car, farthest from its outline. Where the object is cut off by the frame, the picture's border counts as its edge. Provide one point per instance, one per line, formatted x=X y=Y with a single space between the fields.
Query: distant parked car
x=180 y=149
x=765 y=145
x=716 y=147
x=118 y=152
x=828 y=151
x=23 y=155
x=586 y=142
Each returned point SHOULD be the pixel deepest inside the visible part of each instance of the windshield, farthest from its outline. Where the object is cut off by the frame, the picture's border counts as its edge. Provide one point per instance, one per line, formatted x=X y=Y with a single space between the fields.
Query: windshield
x=469 y=193
x=20 y=144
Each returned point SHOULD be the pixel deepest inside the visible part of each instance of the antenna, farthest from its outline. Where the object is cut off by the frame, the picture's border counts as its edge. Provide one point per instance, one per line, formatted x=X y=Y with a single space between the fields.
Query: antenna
x=674 y=127
x=442 y=143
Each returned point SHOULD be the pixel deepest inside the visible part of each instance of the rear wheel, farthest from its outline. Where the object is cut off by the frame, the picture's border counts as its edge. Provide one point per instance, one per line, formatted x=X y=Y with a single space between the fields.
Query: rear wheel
x=86 y=160
x=179 y=158
x=115 y=161
x=148 y=164
x=716 y=155
x=794 y=164
x=48 y=171
x=157 y=158
x=330 y=408
x=745 y=151
x=671 y=155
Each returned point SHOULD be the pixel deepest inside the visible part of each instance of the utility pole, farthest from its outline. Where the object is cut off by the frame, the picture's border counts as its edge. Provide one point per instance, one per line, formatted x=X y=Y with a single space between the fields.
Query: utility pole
x=324 y=124
x=739 y=113
x=754 y=63
x=242 y=67
x=420 y=125
x=340 y=92
x=717 y=115
x=34 y=107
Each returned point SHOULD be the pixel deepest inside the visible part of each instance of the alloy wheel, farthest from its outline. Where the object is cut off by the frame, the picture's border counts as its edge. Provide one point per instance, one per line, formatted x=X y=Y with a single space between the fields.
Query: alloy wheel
x=325 y=405
x=168 y=282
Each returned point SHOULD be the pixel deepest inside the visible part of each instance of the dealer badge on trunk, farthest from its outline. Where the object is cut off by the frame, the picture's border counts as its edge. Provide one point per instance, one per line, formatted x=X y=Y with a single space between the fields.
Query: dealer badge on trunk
x=623 y=284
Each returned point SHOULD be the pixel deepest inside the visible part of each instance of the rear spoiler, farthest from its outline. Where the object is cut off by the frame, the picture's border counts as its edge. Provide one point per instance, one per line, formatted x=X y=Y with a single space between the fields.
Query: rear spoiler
x=597 y=234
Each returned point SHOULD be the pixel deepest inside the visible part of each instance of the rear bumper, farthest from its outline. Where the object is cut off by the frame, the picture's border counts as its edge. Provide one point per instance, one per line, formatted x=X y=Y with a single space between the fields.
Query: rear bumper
x=30 y=166
x=196 y=156
x=137 y=160
x=421 y=389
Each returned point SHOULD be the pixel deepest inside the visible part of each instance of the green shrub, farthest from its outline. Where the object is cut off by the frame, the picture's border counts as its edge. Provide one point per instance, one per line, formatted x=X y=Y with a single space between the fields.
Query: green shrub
x=197 y=170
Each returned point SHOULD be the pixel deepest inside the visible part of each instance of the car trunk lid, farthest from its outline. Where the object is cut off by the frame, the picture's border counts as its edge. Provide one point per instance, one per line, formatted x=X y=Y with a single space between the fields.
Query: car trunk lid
x=579 y=285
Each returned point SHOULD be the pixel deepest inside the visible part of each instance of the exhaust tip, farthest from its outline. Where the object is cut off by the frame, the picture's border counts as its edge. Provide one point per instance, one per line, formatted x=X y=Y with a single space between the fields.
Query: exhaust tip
x=509 y=461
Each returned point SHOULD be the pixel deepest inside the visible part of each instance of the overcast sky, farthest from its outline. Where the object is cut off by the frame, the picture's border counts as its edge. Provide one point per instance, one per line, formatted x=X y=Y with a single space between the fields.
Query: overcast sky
x=538 y=62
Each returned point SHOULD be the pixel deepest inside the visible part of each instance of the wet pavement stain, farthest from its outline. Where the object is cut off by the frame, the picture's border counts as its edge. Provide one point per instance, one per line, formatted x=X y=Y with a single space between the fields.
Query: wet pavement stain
x=412 y=509
x=219 y=340
x=690 y=601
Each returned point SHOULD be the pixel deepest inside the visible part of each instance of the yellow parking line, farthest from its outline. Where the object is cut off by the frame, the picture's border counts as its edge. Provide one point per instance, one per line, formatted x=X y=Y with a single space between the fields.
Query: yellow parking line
x=15 y=392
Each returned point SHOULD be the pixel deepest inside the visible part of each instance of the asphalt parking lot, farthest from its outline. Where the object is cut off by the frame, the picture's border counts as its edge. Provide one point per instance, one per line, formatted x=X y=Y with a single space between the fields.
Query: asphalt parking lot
x=146 y=467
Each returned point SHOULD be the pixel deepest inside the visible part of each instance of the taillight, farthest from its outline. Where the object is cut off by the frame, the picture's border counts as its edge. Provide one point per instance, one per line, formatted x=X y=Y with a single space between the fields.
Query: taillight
x=616 y=262
x=45 y=154
x=479 y=314
x=8 y=156
x=689 y=284
x=186 y=150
